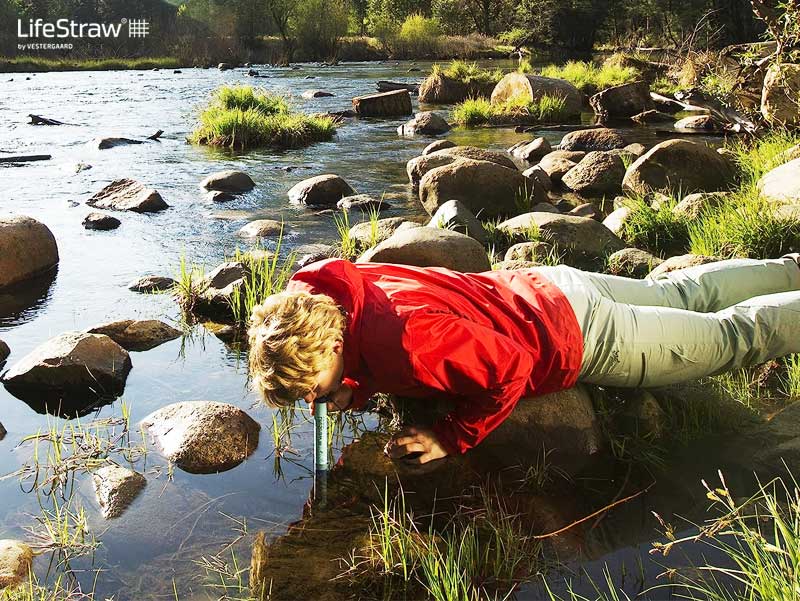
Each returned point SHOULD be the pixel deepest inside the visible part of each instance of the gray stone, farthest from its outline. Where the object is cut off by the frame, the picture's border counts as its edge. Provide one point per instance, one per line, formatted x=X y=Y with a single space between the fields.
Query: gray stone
x=694 y=205
x=220 y=196
x=225 y=66
x=642 y=416
x=652 y=116
x=27 y=249
x=128 y=195
x=386 y=104
x=16 y=559
x=323 y=190
x=532 y=151
x=540 y=176
x=231 y=181
x=696 y=123
x=587 y=209
x=419 y=166
x=116 y=487
x=598 y=173
x=782 y=184
x=622 y=101
x=137 y=335
x=587 y=140
x=203 y=437
x=528 y=251
x=514 y=265
x=4 y=352
x=617 y=219
x=544 y=207
x=438 y=145
x=680 y=262
x=779 y=96
x=425 y=123
x=100 y=221
x=453 y=215
x=221 y=285
x=261 y=228
x=362 y=202
x=635 y=149
x=111 y=142
x=632 y=263
x=152 y=283
x=476 y=154
x=316 y=94
x=558 y=162
x=430 y=247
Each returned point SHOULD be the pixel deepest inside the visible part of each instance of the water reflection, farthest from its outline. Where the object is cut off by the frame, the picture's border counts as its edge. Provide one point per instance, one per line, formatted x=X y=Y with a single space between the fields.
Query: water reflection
x=21 y=302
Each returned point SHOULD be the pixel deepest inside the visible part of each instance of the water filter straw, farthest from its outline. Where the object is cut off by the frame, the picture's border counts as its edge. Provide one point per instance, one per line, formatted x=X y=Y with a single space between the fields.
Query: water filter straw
x=321 y=435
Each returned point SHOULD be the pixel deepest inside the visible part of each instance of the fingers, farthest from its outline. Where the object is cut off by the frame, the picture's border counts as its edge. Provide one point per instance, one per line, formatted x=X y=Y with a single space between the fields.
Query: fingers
x=396 y=451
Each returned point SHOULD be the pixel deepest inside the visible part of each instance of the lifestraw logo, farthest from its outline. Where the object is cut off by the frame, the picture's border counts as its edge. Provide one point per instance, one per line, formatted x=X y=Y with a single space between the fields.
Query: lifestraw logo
x=67 y=28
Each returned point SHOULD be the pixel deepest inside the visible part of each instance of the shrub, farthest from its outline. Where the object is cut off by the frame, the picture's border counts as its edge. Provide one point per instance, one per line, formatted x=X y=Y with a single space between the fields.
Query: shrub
x=418 y=35
x=479 y=111
x=469 y=73
x=451 y=16
x=514 y=37
x=589 y=78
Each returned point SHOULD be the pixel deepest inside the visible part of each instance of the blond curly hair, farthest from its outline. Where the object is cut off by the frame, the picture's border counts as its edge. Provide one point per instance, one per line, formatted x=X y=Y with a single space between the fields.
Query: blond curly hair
x=292 y=335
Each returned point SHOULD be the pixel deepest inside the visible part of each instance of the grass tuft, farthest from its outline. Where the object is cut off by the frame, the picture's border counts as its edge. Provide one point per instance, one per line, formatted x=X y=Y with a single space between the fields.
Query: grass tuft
x=479 y=111
x=468 y=73
x=588 y=77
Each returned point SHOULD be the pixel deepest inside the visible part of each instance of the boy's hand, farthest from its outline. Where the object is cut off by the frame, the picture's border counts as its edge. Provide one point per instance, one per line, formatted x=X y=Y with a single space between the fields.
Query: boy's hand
x=339 y=400
x=416 y=440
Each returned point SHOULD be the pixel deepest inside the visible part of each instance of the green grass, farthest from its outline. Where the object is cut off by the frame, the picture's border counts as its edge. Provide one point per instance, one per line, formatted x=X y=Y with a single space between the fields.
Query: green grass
x=586 y=76
x=241 y=118
x=665 y=86
x=26 y=64
x=266 y=276
x=479 y=111
x=791 y=384
x=468 y=73
x=659 y=231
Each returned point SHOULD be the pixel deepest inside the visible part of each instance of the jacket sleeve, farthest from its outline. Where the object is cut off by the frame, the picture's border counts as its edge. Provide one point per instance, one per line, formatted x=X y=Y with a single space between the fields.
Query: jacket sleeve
x=486 y=372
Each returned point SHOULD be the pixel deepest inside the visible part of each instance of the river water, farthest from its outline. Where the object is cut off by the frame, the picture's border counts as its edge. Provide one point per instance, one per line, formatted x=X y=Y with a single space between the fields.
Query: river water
x=177 y=519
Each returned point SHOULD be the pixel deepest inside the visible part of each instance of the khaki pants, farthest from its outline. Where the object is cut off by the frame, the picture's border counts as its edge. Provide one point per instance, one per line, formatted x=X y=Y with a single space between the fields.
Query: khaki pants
x=685 y=325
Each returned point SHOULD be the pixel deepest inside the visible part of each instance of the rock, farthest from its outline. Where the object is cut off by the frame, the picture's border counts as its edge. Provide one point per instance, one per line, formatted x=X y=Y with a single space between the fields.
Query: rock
x=219 y=196
x=106 y=143
x=137 y=335
x=632 y=263
x=419 y=166
x=680 y=262
x=16 y=559
x=587 y=140
x=27 y=249
x=583 y=241
x=790 y=154
x=152 y=283
x=425 y=123
x=556 y=164
x=437 y=145
x=4 y=352
x=128 y=195
x=430 y=247
x=311 y=253
x=386 y=104
x=100 y=221
x=363 y=202
x=779 y=186
x=261 y=228
x=362 y=233
x=531 y=252
x=652 y=116
x=587 y=209
x=322 y=190
x=3 y=431
x=225 y=66
x=116 y=487
x=203 y=437
x=438 y=89
x=231 y=181
x=540 y=176
x=545 y=207
x=642 y=416
x=532 y=151
x=454 y=216
x=219 y=287
x=476 y=154
x=678 y=166
x=635 y=149
x=316 y=94
x=532 y=87
x=696 y=123
x=694 y=205
x=71 y=366
x=617 y=219
x=622 y=102
x=487 y=189
x=562 y=424
x=598 y=173
x=514 y=265
x=779 y=96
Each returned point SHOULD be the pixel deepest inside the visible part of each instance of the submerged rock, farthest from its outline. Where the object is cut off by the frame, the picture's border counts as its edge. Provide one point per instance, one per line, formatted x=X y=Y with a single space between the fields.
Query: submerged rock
x=363 y=202
x=72 y=367
x=106 y=143
x=16 y=559
x=219 y=196
x=152 y=283
x=430 y=247
x=587 y=140
x=453 y=215
x=426 y=123
x=116 y=487
x=316 y=94
x=322 y=190
x=27 y=249
x=100 y=221
x=136 y=335
x=232 y=181
x=128 y=195
x=203 y=437
x=261 y=228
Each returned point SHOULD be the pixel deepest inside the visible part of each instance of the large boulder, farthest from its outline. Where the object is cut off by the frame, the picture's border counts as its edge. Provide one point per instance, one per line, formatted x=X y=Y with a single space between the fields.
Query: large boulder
x=16 y=559
x=453 y=215
x=438 y=89
x=128 y=195
x=386 y=104
x=365 y=235
x=587 y=140
x=231 y=181
x=487 y=189
x=71 y=366
x=115 y=488
x=780 y=96
x=679 y=166
x=323 y=190
x=27 y=249
x=694 y=205
x=476 y=154
x=583 y=241
x=597 y=173
x=437 y=145
x=260 y=228
x=430 y=247
x=425 y=123
x=779 y=186
x=203 y=437
x=532 y=151
x=137 y=335
x=419 y=166
x=622 y=102
x=532 y=87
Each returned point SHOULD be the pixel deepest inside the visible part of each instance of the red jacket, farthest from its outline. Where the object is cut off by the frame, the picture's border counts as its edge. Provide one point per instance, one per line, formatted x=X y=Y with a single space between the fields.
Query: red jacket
x=486 y=339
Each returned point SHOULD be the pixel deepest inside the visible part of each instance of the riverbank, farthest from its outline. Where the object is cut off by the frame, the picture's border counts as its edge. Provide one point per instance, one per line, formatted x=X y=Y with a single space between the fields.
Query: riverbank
x=38 y=64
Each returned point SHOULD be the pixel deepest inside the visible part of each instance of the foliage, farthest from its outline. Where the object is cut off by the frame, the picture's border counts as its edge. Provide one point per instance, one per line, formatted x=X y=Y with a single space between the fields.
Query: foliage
x=658 y=230
x=468 y=73
x=590 y=78
x=450 y=15
x=418 y=35
x=42 y=64
x=479 y=111
x=319 y=25
x=514 y=37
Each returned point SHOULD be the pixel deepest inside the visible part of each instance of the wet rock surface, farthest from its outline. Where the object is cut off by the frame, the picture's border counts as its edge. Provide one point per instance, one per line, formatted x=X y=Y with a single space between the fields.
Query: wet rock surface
x=425 y=123
x=322 y=190
x=16 y=559
x=100 y=221
x=587 y=140
x=231 y=181
x=116 y=488
x=476 y=154
x=203 y=437
x=152 y=283
x=128 y=195
x=27 y=249
x=260 y=228
x=137 y=335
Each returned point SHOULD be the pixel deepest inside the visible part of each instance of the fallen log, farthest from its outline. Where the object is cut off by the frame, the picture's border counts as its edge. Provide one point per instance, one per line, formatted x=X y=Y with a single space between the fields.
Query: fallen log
x=391 y=86
x=25 y=158
x=732 y=119
x=39 y=120
x=156 y=135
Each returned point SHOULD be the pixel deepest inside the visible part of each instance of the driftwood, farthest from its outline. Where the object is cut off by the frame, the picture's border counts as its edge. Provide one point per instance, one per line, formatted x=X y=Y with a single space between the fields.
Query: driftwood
x=156 y=135
x=730 y=118
x=391 y=86
x=38 y=120
x=25 y=158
